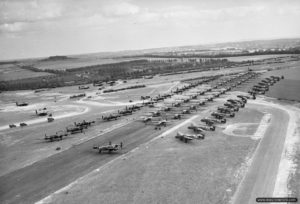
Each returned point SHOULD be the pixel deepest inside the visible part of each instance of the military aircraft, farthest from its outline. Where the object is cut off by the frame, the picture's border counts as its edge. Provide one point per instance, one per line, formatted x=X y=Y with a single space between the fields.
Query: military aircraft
x=198 y=102
x=195 y=128
x=183 y=137
x=236 y=103
x=208 y=121
x=109 y=148
x=159 y=124
x=110 y=117
x=177 y=116
x=75 y=129
x=56 y=137
x=188 y=137
x=209 y=98
x=21 y=104
x=158 y=98
x=99 y=83
x=146 y=119
x=125 y=112
x=243 y=97
x=176 y=104
x=43 y=113
x=83 y=87
x=192 y=107
x=134 y=108
x=149 y=103
x=155 y=113
x=166 y=108
x=226 y=112
x=166 y=95
x=234 y=107
x=218 y=115
x=186 y=111
x=145 y=97
x=84 y=124
x=111 y=83
x=206 y=127
x=193 y=96
x=221 y=120
x=275 y=78
x=185 y=100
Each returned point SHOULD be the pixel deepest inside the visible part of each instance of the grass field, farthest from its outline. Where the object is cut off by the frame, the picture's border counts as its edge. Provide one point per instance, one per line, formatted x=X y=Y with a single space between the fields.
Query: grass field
x=75 y=62
x=12 y=72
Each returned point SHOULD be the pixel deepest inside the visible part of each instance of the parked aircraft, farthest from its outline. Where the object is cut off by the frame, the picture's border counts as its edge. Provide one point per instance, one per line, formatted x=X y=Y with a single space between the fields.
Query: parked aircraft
x=125 y=112
x=56 y=137
x=226 y=114
x=109 y=148
x=21 y=104
x=207 y=127
x=74 y=130
x=176 y=104
x=43 y=113
x=207 y=121
x=160 y=123
x=195 y=128
x=110 y=117
x=83 y=87
x=84 y=124
x=188 y=137
x=218 y=115
x=235 y=108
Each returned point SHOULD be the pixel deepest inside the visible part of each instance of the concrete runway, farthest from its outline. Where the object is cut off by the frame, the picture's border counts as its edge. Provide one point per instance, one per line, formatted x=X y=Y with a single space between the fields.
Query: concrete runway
x=36 y=181
x=260 y=178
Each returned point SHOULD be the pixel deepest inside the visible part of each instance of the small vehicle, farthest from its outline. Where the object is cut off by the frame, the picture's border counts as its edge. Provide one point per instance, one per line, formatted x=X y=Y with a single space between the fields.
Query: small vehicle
x=50 y=119
x=12 y=126
x=23 y=124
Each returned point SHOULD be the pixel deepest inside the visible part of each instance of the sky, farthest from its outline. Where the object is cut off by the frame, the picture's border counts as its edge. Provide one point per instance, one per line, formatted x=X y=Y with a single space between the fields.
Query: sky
x=39 y=28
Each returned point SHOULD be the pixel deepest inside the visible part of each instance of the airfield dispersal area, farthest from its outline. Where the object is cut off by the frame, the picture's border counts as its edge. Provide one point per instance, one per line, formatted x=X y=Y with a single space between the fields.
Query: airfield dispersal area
x=239 y=161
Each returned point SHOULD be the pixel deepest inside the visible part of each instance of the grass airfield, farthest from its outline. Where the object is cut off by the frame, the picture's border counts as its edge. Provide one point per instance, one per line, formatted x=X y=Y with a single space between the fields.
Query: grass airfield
x=213 y=170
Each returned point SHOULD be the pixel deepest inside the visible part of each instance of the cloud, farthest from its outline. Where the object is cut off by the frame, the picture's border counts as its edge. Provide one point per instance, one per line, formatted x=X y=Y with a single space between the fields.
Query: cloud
x=12 y=27
x=29 y=11
x=120 y=9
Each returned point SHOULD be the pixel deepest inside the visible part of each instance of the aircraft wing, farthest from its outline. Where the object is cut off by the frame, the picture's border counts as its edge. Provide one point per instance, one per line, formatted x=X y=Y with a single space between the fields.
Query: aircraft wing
x=188 y=137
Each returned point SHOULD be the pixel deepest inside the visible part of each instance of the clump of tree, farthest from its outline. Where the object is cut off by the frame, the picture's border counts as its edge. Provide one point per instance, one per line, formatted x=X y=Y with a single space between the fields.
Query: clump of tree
x=122 y=89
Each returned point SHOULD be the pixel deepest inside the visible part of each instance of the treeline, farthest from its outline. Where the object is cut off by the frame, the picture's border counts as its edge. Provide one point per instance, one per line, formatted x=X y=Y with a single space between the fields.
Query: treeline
x=122 y=89
x=220 y=55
